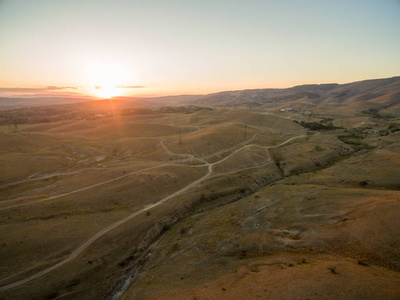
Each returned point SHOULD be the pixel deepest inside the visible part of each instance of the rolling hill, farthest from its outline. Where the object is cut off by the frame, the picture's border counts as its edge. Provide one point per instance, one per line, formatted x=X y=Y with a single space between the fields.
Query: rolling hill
x=109 y=200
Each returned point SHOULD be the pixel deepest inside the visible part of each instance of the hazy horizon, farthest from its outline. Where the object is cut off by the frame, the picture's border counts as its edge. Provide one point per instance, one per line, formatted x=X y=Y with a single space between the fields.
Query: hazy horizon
x=206 y=149
x=130 y=48
x=19 y=92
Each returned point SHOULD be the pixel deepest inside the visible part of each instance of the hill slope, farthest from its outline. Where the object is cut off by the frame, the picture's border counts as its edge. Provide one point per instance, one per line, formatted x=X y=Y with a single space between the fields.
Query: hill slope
x=381 y=93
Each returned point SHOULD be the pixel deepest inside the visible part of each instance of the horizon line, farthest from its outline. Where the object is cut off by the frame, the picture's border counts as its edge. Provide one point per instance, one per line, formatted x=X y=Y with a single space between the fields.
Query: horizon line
x=86 y=95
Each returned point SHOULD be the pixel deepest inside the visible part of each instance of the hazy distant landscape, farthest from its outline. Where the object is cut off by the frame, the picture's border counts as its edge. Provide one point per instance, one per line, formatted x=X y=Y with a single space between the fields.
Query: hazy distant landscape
x=278 y=193
x=199 y=150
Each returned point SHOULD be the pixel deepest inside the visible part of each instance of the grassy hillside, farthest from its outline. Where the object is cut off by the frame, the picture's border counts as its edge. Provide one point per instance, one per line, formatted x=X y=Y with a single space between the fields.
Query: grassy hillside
x=308 y=236
x=183 y=203
x=341 y=98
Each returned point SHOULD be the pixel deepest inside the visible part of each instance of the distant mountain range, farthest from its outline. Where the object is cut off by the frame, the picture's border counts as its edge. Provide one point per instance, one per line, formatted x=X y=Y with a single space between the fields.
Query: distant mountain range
x=377 y=93
x=341 y=98
x=8 y=103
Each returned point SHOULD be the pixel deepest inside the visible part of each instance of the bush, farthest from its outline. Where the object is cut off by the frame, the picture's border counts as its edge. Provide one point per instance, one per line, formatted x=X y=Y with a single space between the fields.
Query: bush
x=318 y=148
x=318 y=126
x=374 y=112
x=333 y=270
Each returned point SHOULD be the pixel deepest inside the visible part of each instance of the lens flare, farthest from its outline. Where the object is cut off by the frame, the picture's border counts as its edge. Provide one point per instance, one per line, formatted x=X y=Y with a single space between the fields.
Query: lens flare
x=106 y=78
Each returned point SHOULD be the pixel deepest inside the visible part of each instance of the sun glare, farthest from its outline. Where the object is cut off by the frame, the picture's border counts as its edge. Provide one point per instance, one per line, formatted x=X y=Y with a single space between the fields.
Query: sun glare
x=107 y=79
x=106 y=91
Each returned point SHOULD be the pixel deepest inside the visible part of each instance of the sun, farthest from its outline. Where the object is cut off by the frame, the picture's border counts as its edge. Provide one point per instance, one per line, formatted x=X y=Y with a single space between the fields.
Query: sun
x=106 y=91
x=107 y=79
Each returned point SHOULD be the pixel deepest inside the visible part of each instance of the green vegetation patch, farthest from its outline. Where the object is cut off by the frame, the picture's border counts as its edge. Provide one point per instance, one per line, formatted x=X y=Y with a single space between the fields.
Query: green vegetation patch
x=317 y=126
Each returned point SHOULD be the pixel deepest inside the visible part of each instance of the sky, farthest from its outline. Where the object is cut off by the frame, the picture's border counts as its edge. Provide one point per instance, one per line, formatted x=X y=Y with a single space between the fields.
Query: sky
x=157 y=47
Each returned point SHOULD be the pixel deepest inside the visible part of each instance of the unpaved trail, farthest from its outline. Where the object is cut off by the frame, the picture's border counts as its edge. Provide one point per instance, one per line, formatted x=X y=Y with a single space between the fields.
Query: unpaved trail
x=32 y=178
x=107 y=229
x=79 y=190
x=288 y=141
x=231 y=148
x=186 y=157
x=166 y=149
x=102 y=232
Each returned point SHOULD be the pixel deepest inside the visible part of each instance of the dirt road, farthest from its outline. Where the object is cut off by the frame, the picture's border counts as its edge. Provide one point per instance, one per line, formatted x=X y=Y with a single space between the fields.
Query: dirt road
x=98 y=235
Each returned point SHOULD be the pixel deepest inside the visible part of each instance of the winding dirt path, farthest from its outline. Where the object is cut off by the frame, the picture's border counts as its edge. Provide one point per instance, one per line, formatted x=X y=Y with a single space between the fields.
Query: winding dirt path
x=79 y=190
x=102 y=232
x=107 y=229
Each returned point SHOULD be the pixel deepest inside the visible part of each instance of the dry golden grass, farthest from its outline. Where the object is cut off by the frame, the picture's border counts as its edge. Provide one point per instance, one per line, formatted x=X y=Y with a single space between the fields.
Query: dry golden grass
x=66 y=181
x=308 y=236
x=286 y=277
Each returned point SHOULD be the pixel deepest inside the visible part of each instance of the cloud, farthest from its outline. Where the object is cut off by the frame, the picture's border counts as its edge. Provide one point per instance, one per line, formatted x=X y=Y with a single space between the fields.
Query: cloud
x=130 y=86
x=40 y=89
x=51 y=87
x=99 y=87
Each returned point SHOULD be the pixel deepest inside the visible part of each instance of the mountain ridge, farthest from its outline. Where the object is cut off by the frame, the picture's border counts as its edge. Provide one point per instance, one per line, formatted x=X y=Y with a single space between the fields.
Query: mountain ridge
x=355 y=96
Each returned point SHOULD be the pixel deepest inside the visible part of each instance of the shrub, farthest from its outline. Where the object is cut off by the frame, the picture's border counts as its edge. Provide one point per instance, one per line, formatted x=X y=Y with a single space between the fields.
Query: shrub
x=318 y=148
x=318 y=126
x=333 y=270
x=362 y=263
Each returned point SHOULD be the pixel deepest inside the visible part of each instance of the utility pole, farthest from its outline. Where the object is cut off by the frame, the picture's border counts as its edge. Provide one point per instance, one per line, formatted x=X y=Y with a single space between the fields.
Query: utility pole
x=180 y=136
x=15 y=123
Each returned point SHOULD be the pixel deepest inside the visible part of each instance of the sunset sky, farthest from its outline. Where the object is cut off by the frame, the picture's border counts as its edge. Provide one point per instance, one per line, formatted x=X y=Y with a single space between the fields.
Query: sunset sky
x=189 y=47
